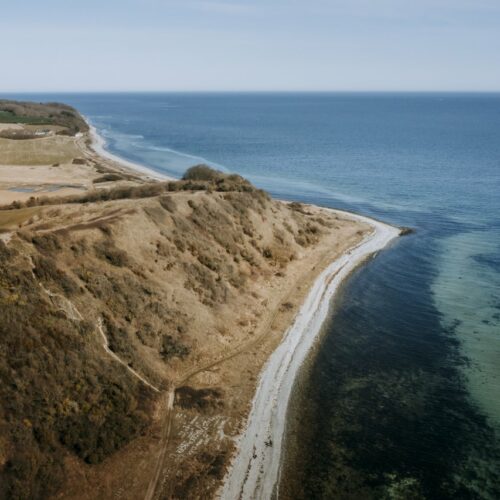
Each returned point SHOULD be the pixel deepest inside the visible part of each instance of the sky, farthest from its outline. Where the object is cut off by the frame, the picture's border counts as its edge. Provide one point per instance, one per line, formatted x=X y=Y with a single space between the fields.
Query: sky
x=263 y=45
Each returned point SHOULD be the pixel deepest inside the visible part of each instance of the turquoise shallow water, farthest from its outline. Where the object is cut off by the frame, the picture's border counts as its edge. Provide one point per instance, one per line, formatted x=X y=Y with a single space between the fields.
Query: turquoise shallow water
x=403 y=395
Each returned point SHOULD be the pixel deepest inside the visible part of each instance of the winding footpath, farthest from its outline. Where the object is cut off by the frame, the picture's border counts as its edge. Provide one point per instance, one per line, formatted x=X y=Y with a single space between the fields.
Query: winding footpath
x=254 y=472
x=72 y=312
x=117 y=358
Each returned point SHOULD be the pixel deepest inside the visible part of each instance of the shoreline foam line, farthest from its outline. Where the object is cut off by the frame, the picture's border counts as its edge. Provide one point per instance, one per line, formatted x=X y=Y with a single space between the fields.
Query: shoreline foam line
x=255 y=469
x=98 y=144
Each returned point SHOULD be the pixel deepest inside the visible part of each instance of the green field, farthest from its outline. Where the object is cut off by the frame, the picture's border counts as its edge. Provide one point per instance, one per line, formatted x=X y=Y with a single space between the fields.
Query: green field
x=7 y=117
x=42 y=114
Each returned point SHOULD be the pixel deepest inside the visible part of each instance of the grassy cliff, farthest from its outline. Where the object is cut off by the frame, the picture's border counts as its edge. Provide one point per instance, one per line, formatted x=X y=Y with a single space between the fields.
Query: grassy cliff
x=159 y=269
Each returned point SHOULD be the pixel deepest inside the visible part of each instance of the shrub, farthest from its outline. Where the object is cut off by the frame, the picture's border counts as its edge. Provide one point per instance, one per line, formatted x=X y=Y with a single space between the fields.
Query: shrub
x=118 y=338
x=201 y=173
x=171 y=348
x=267 y=253
x=208 y=262
x=46 y=113
x=46 y=269
x=108 y=178
x=57 y=397
x=201 y=399
x=66 y=132
x=214 y=463
x=220 y=183
x=106 y=250
x=48 y=242
x=298 y=207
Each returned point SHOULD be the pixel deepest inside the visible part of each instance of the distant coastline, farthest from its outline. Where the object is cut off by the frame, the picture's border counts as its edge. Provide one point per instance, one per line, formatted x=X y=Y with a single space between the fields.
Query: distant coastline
x=98 y=144
x=264 y=430
x=256 y=451
x=374 y=154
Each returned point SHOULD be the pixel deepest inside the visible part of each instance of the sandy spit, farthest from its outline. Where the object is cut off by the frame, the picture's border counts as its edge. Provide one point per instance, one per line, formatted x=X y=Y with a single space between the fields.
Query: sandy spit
x=255 y=469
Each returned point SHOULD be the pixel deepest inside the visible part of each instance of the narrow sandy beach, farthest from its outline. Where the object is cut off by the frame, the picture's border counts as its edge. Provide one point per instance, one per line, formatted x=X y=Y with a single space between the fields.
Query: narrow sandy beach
x=306 y=253
x=255 y=469
x=98 y=144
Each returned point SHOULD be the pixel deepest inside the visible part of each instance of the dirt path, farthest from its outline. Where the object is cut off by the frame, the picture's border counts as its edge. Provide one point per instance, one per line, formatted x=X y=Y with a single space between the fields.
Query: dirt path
x=169 y=403
x=74 y=314
x=236 y=351
x=82 y=225
x=117 y=358
x=64 y=304
x=183 y=378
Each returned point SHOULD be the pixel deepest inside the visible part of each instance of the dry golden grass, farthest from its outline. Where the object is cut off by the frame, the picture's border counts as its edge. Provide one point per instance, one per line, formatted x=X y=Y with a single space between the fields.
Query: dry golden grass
x=10 y=219
x=181 y=279
x=192 y=284
x=43 y=151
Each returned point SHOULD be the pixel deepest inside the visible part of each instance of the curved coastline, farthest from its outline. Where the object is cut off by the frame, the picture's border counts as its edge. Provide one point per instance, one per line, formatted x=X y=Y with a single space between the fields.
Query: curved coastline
x=98 y=145
x=255 y=469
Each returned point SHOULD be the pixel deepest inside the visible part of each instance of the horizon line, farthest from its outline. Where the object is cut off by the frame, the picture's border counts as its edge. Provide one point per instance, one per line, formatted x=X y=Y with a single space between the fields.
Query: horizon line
x=243 y=91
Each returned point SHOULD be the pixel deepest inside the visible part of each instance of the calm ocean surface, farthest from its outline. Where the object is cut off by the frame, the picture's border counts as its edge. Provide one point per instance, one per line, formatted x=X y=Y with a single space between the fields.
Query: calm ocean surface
x=402 y=398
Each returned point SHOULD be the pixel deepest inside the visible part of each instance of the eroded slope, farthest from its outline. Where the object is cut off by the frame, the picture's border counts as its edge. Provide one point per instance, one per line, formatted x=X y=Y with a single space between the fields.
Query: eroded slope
x=108 y=303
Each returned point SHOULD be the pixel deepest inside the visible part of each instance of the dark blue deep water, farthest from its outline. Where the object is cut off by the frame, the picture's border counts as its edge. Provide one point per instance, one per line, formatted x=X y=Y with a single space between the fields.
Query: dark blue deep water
x=402 y=397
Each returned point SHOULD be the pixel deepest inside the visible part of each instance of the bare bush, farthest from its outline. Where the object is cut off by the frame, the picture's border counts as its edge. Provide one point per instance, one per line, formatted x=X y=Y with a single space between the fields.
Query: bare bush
x=46 y=269
x=201 y=173
x=105 y=249
x=108 y=178
x=171 y=348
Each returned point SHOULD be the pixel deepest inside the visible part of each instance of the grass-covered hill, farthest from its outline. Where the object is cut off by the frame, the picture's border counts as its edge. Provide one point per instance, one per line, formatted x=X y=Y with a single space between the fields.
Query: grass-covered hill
x=30 y=113
x=160 y=270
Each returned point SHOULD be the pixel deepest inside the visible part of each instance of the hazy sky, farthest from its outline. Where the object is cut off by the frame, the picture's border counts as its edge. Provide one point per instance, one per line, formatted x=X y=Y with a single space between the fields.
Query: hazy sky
x=250 y=45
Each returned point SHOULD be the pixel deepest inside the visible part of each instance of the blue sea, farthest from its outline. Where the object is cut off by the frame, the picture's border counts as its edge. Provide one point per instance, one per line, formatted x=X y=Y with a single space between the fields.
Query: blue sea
x=402 y=396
